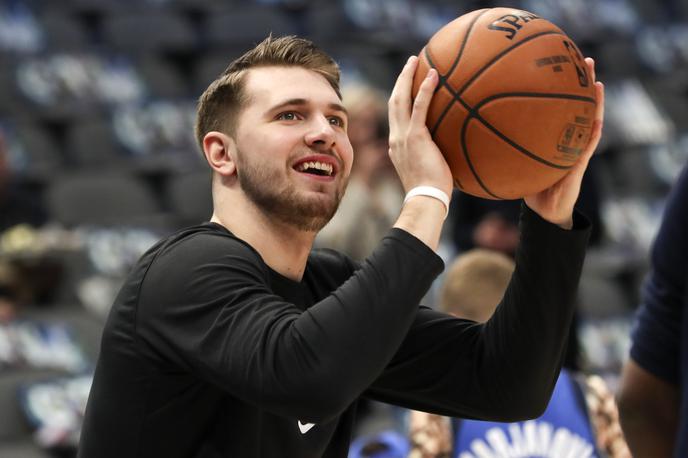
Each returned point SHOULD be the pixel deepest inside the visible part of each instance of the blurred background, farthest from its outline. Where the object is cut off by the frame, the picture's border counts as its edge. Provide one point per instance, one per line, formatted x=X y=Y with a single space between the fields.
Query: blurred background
x=98 y=161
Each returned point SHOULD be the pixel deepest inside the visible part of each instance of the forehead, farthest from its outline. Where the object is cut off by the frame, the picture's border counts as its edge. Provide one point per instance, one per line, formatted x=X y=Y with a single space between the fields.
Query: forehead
x=269 y=86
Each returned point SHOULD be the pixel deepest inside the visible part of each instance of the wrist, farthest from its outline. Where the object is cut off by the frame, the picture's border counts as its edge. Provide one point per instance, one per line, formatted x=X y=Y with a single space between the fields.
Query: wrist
x=423 y=217
x=565 y=222
x=429 y=192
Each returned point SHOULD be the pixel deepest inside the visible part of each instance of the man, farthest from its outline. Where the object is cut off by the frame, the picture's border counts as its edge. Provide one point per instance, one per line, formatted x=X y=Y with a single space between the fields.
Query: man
x=232 y=339
x=653 y=396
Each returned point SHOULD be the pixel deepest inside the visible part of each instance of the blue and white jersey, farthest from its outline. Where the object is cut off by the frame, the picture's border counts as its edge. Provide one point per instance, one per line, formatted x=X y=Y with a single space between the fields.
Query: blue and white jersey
x=564 y=430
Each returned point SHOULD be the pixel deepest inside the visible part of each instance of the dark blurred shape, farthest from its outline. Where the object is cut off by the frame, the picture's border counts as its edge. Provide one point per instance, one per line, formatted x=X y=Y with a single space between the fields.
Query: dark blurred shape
x=92 y=143
x=102 y=200
x=162 y=78
x=493 y=224
x=164 y=31
x=17 y=204
x=190 y=200
x=243 y=27
x=64 y=32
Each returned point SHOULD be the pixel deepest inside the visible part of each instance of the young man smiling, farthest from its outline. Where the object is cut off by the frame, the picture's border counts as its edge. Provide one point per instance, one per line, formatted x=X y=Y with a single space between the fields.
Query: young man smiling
x=234 y=339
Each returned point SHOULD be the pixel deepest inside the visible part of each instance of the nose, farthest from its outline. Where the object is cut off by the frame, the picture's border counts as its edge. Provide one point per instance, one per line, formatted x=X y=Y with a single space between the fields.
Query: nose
x=320 y=133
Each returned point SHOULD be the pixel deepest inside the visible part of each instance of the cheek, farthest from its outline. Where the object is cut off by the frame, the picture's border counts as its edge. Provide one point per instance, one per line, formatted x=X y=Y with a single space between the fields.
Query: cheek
x=252 y=142
x=347 y=154
x=272 y=142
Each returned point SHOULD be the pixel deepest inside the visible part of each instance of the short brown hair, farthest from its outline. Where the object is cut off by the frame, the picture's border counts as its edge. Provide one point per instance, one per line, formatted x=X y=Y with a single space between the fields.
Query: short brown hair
x=219 y=105
x=475 y=283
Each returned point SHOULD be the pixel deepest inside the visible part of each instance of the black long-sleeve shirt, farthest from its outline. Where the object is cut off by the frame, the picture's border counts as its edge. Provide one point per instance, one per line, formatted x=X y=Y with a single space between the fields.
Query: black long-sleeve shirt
x=208 y=352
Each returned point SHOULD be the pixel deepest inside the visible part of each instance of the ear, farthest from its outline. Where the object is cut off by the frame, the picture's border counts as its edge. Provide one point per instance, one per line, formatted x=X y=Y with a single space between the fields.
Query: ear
x=220 y=152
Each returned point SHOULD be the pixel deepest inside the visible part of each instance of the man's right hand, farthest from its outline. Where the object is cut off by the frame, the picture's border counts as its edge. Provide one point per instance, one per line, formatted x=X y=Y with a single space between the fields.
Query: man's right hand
x=416 y=157
x=414 y=154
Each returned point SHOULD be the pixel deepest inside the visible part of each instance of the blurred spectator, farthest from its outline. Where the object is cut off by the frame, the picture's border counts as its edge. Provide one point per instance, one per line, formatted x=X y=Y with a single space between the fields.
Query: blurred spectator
x=654 y=388
x=581 y=418
x=493 y=224
x=490 y=224
x=374 y=195
x=19 y=30
x=9 y=291
x=17 y=205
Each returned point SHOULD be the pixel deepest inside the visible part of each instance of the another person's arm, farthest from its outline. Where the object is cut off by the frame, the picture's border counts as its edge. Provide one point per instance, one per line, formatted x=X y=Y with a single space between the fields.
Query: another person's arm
x=648 y=399
x=648 y=409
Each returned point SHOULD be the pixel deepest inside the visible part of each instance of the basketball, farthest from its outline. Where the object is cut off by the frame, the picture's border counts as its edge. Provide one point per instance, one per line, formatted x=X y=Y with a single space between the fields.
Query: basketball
x=515 y=103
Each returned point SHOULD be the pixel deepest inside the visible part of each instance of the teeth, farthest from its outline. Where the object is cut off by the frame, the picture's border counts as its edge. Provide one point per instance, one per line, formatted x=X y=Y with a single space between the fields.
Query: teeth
x=327 y=168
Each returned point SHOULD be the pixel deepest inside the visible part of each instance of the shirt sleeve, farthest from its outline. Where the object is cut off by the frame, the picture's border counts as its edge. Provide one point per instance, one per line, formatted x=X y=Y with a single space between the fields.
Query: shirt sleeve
x=657 y=329
x=506 y=368
x=206 y=306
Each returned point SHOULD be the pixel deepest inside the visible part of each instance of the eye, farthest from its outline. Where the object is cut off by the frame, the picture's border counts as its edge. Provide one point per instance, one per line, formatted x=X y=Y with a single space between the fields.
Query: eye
x=287 y=116
x=337 y=121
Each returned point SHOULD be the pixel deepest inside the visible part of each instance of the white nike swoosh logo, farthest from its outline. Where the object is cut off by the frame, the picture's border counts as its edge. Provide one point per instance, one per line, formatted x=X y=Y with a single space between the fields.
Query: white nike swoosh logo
x=304 y=428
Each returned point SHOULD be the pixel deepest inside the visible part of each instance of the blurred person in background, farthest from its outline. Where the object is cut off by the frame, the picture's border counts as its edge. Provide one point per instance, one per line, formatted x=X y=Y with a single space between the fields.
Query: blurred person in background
x=581 y=419
x=653 y=396
x=374 y=194
x=234 y=338
x=10 y=291
x=17 y=204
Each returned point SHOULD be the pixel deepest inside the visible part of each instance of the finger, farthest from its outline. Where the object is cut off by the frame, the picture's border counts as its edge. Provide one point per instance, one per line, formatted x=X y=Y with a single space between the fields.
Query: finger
x=581 y=165
x=400 y=99
x=423 y=98
x=599 y=99
x=598 y=123
x=590 y=62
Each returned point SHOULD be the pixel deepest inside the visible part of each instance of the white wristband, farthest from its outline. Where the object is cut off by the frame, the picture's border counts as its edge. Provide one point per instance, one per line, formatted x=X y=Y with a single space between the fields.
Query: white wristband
x=430 y=191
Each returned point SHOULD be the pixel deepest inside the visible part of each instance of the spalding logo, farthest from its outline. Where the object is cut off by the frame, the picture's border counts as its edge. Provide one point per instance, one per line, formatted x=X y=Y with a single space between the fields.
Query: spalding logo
x=512 y=23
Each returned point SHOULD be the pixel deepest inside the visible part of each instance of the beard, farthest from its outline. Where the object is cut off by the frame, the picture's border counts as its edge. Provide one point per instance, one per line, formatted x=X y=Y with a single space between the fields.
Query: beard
x=285 y=203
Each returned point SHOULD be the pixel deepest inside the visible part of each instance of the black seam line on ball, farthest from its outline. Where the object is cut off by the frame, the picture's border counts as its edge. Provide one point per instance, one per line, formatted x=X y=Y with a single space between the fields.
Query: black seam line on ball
x=443 y=78
x=536 y=95
x=463 y=44
x=443 y=82
x=474 y=113
x=464 y=149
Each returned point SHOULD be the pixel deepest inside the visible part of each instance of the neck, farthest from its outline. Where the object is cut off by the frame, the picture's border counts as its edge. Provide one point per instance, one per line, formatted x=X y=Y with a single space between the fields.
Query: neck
x=284 y=248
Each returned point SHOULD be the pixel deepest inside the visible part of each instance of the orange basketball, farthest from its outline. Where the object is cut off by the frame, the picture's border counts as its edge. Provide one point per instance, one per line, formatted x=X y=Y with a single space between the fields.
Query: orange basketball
x=515 y=103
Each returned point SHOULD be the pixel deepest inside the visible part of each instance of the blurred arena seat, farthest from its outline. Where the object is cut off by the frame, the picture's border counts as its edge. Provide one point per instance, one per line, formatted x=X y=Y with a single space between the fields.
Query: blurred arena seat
x=243 y=27
x=189 y=197
x=101 y=199
x=92 y=142
x=165 y=31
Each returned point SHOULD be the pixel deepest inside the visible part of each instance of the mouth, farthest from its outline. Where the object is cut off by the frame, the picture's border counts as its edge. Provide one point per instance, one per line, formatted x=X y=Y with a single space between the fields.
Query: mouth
x=322 y=166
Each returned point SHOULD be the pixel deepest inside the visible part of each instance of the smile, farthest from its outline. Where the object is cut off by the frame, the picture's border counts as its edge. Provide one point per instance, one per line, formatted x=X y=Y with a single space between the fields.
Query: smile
x=316 y=168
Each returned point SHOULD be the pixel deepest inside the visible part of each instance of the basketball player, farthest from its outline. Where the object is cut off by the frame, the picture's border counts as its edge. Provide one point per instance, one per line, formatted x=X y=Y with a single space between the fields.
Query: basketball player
x=234 y=339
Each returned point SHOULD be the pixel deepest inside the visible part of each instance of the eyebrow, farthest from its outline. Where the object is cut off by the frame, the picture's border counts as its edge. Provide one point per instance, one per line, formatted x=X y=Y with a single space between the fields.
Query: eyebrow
x=292 y=102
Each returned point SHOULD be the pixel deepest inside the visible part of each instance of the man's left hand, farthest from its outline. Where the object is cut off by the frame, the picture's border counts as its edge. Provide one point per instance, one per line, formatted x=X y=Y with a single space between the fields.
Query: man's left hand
x=555 y=204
